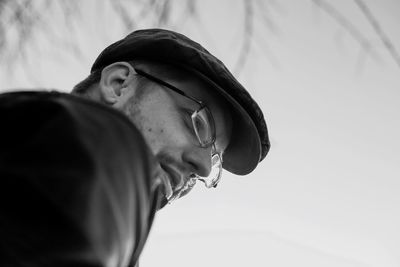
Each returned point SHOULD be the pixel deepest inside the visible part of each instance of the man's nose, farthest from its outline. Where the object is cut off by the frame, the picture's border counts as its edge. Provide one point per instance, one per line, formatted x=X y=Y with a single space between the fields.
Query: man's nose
x=199 y=160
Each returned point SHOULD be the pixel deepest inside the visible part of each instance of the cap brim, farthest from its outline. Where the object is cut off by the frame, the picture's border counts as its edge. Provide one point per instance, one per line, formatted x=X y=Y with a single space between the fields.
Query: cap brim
x=244 y=150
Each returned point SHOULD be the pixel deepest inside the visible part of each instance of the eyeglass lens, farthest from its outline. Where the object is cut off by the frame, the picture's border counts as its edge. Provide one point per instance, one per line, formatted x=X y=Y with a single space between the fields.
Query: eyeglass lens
x=204 y=127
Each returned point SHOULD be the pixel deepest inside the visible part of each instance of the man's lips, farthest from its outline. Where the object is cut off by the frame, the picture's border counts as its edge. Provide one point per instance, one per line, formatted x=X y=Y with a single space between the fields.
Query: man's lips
x=165 y=181
x=173 y=182
x=175 y=177
x=166 y=177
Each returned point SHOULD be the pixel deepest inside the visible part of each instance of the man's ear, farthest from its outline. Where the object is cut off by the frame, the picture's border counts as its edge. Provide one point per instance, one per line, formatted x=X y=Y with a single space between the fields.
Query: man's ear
x=114 y=78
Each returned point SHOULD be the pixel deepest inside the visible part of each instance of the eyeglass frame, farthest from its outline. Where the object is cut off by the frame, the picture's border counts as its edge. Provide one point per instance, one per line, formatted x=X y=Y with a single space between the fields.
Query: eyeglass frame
x=214 y=152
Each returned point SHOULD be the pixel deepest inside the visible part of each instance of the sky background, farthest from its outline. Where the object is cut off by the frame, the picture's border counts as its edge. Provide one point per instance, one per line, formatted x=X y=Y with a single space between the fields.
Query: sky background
x=327 y=194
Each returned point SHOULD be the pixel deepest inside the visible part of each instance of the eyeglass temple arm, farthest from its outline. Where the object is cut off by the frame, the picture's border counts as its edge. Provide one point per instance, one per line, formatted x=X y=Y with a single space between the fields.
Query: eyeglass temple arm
x=170 y=86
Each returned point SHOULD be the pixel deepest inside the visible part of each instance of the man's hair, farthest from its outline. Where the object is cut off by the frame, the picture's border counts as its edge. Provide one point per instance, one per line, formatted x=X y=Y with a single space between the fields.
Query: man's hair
x=83 y=87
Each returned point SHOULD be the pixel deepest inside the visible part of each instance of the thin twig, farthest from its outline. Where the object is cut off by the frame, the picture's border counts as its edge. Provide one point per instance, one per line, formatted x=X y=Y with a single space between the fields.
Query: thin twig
x=164 y=13
x=263 y=8
x=247 y=36
x=189 y=12
x=127 y=19
x=348 y=26
x=378 y=30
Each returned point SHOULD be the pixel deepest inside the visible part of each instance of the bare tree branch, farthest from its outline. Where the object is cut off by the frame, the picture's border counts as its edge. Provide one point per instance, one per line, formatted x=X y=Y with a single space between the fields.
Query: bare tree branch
x=348 y=26
x=127 y=19
x=190 y=12
x=263 y=8
x=378 y=29
x=164 y=12
x=247 y=36
x=21 y=21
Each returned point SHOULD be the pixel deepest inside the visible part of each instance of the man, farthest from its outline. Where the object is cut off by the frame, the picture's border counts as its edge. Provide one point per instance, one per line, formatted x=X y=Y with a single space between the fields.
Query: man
x=192 y=118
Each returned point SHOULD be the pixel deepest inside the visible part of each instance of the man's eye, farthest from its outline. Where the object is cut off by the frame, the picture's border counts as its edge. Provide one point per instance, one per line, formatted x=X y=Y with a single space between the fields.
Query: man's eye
x=199 y=124
x=187 y=119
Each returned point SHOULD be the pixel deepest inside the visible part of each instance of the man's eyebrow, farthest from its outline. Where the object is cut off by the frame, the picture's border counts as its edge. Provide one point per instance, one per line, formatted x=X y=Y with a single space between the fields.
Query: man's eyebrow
x=187 y=110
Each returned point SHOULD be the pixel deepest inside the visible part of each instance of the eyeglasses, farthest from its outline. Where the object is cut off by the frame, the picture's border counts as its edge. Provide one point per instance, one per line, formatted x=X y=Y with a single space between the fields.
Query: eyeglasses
x=204 y=129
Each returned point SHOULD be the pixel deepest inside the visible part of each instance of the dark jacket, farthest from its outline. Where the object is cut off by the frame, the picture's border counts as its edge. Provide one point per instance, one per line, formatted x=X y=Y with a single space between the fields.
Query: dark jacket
x=75 y=183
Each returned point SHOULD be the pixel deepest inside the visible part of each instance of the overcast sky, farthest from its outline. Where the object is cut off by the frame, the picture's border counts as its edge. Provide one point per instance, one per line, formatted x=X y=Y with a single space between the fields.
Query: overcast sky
x=328 y=192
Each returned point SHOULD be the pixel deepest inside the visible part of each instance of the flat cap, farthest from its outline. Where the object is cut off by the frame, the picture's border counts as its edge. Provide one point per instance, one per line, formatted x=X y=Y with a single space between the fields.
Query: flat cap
x=249 y=142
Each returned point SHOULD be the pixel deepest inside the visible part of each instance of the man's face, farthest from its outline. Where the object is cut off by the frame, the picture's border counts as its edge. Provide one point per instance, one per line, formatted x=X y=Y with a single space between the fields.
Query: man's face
x=164 y=118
